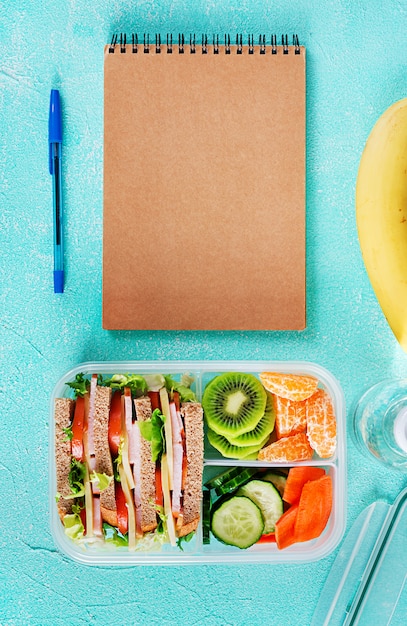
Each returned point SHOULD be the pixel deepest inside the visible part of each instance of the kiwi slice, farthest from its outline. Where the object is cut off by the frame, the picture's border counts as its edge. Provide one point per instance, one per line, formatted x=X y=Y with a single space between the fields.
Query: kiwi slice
x=234 y=403
x=251 y=457
x=261 y=431
x=230 y=451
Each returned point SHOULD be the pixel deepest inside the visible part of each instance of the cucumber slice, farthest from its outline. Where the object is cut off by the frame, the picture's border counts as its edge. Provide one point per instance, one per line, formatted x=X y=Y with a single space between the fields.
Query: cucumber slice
x=238 y=522
x=206 y=517
x=224 y=477
x=267 y=498
x=278 y=480
x=237 y=481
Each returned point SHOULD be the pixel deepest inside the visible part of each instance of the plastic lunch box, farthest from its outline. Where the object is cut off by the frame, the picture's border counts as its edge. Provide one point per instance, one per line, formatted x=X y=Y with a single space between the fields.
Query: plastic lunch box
x=196 y=551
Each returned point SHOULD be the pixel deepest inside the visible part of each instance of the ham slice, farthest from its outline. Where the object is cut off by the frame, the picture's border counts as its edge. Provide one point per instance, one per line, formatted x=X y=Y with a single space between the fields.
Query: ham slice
x=91 y=423
x=178 y=454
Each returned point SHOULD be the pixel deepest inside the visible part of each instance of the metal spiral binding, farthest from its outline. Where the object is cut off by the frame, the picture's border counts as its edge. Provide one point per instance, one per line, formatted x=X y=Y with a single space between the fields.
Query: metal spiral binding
x=120 y=42
x=205 y=44
x=192 y=44
x=296 y=44
x=181 y=43
x=146 y=41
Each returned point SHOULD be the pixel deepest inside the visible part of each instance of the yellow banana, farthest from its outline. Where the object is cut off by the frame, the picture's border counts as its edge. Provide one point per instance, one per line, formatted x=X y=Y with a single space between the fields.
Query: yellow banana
x=381 y=214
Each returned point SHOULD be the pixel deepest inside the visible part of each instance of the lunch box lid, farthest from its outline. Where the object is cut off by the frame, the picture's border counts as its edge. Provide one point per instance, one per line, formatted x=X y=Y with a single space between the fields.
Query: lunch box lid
x=368 y=580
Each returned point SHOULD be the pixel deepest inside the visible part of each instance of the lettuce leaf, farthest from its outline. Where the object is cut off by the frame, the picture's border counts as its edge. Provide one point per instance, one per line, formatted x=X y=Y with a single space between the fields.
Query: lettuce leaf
x=73 y=526
x=153 y=430
x=113 y=536
x=80 y=385
x=162 y=523
x=185 y=539
x=101 y=481
x=118 y=461
x=184 y=387
x=76 y=478
x=154 y=381
x=78 y=494
x=68 y=433
x=135 y=382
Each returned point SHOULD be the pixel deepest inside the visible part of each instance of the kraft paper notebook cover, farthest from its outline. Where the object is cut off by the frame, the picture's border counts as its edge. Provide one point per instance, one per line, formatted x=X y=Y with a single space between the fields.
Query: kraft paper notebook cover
x=204 y=185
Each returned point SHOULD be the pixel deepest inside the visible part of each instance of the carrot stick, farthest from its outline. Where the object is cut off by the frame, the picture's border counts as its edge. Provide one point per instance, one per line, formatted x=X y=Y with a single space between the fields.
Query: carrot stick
x=314 y=508
x=269 y=538
x=297 y=477
x=284 y=529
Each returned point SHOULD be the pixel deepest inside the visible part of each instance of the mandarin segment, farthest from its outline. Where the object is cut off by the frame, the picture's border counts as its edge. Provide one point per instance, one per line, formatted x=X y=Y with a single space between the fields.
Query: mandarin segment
x=290 y=386
x=291 y=416
x=295 y=448
x=321 y=424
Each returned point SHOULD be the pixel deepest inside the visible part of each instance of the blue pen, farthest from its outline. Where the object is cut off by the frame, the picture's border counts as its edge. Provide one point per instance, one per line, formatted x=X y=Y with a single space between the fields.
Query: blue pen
x=55 y=168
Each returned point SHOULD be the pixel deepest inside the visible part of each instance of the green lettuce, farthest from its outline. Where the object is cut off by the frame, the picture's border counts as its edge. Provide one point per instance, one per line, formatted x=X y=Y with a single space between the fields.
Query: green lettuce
x=153 y=430
x=80 y=385
x=185 y=539
x=135 y=382
x=117 y=461
x=154 y=381
x=162 y=521
x=68 y=433
x=76 y=478
x=183 y=387
x=101 y=481
x=73 y=526
x=113 y=536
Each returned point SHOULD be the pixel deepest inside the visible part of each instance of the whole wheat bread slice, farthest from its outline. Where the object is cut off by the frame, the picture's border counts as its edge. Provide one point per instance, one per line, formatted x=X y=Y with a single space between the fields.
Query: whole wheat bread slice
x=192 y=415
x=147 y=477
x=63 y=409
x=103 y=459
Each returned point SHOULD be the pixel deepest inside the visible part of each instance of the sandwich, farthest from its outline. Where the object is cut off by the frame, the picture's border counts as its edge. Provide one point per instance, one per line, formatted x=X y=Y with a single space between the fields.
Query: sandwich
x=129 y=460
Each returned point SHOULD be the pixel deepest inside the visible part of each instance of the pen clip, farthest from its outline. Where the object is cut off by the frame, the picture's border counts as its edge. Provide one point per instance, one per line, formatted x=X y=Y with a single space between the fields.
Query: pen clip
x=54 y=126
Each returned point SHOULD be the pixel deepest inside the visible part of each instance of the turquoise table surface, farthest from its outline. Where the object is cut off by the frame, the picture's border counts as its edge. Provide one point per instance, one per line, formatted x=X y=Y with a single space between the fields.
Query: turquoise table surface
x=356 y=67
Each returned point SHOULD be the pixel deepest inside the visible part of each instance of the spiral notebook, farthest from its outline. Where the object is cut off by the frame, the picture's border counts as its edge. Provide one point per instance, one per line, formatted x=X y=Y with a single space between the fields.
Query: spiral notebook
x=204 y=184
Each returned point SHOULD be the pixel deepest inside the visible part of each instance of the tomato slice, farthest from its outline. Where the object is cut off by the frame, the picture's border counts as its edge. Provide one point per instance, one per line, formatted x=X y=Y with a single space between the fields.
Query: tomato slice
x=115 y=423
x=184 y=467
x=82 y=515
x=176 y=400
x=159 y=500
x=155 y=399
x=77 y=429
x=122 y=511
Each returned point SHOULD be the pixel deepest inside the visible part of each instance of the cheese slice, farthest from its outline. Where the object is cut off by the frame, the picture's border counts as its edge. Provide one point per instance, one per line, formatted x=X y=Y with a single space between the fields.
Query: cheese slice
x=165 y=409
x=167 y=500
x=130 y=508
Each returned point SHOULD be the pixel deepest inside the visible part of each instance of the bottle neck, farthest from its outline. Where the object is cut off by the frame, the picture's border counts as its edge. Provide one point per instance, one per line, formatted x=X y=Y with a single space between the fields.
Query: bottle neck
x=400 y=429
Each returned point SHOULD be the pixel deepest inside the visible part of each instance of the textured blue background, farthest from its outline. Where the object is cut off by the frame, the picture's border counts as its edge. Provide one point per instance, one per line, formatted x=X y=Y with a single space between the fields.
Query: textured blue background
x=356 y=68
